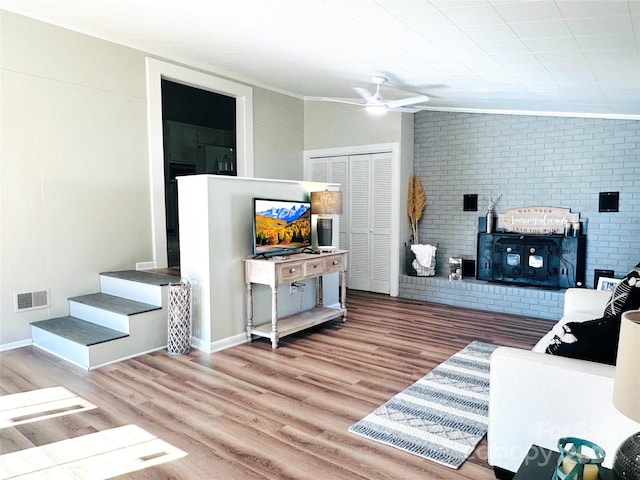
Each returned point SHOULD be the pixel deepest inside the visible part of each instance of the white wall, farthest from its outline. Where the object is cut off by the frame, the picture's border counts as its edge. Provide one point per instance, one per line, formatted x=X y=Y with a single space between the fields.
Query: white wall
x=216 y=234
x=279 y=130
x=329 y=125
x=75 y=188
x=75 y=191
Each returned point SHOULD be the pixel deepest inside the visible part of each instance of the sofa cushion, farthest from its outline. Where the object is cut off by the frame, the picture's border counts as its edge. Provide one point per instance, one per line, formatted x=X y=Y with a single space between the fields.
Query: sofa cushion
x=579 y=336
x=626 y=295
x=594 y=340
x=558 y=330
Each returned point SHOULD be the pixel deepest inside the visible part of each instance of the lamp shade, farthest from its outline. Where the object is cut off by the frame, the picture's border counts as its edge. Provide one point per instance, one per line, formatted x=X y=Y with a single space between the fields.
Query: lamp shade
x=626 y=389
x=326 y=202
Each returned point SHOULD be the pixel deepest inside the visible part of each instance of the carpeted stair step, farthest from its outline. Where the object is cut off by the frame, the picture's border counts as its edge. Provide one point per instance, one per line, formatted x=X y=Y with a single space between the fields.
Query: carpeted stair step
x=111 y=303
x=81 y=342
x=108 y=310
x=142 y=286
x=79 y=331
x=151 y=278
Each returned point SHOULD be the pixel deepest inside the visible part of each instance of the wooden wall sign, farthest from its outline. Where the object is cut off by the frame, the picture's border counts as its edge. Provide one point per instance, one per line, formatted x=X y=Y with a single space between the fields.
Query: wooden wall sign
x=536 y=219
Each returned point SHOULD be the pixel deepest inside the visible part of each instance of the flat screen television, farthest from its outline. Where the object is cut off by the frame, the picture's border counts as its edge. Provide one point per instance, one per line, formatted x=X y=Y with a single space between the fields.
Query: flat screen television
x=280 y=226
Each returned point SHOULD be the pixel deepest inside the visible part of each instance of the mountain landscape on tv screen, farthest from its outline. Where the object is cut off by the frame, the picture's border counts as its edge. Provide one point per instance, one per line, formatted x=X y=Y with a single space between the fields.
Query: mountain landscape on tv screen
x=284 y=213
x=283 y=227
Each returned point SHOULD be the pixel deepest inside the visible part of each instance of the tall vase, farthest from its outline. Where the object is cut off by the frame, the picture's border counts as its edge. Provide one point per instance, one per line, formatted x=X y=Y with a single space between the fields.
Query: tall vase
x=489 y=221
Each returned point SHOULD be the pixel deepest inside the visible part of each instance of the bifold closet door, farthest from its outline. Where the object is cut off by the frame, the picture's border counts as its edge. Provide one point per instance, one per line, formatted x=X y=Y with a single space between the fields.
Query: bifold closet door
x=369 y=232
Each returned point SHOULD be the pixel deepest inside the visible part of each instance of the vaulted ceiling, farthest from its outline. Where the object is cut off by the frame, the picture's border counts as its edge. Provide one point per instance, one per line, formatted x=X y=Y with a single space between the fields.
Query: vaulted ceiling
x=542 y=56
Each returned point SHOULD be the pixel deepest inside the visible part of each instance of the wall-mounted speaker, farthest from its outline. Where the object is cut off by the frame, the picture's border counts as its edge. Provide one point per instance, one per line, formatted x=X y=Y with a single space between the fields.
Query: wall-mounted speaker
x=470 y=202
x=608 y=201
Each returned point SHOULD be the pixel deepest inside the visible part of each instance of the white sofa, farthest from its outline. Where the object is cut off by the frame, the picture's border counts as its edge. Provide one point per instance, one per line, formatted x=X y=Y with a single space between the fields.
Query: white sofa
x=537 y=398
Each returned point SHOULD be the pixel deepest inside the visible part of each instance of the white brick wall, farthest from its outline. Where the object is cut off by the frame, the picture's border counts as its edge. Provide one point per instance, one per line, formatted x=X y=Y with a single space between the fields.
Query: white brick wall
x=531 y=160
x=480 y=295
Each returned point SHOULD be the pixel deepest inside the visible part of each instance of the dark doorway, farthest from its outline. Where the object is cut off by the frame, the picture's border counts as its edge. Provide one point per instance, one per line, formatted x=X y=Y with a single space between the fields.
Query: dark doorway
x=199 y=136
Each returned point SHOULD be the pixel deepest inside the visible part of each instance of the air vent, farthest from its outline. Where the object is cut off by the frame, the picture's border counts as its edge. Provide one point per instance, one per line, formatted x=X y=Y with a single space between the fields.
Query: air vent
x=31 y=300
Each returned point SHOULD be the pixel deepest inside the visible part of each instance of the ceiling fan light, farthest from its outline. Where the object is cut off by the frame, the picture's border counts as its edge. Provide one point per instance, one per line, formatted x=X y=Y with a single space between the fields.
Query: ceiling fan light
x=376 y=109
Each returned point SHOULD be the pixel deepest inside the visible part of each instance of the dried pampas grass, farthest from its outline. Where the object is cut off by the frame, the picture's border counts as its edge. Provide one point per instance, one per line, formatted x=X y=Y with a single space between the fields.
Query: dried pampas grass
x=416 y=201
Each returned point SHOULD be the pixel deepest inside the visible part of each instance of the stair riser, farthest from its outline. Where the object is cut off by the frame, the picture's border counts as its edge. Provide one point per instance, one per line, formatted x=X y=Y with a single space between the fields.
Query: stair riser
x=99 y=316
x=148 y=333
x=61 y=347
x=141 y=292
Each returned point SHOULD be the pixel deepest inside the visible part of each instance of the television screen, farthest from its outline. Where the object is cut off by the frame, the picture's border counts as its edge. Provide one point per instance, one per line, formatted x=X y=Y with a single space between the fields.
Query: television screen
x=280 y=226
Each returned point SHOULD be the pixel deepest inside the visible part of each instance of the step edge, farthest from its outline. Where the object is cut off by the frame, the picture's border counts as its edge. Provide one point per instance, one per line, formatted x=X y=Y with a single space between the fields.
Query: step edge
x=169 y=278
x=142 y=306
x=117 y=333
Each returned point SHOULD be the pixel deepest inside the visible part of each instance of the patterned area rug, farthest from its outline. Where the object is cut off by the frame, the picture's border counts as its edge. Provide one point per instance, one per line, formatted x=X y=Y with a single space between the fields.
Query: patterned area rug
x=442 y=416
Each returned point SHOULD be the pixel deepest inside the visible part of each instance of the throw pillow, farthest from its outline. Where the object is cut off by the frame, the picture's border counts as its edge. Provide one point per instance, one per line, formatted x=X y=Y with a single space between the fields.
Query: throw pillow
x=626 y=295
x=595 y=340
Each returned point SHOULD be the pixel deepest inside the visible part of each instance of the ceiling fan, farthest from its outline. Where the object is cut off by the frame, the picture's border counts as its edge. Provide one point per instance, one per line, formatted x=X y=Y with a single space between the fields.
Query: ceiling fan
x=374 y=103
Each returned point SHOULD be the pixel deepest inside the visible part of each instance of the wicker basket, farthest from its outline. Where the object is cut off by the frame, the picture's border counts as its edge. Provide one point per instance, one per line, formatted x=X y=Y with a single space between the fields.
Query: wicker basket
x=414 y=269
x=179 y=328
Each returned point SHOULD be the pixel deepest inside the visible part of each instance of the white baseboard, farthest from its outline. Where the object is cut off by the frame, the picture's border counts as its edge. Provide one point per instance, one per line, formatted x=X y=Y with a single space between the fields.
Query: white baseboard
x=219 y=344
x=111 y=362
x=228 y=342
x=195 y=343
x=55 y=354
x=13 y=345
x=145 y=265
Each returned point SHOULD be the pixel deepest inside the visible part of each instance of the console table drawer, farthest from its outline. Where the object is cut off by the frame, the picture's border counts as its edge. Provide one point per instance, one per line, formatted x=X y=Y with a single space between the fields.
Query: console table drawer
x=334 y=264
x=313 y=267
x=290 y=272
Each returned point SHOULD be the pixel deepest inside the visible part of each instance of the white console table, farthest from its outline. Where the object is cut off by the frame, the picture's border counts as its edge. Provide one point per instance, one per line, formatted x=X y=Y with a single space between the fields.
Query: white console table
x=294 y=268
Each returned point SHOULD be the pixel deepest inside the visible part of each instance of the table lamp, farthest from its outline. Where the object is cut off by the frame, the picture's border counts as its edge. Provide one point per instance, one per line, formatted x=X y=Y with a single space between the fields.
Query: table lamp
x=324 y=204
x=626 y=395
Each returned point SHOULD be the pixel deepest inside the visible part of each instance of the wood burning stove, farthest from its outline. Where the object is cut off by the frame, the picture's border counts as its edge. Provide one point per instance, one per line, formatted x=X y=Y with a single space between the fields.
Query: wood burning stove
x=541 y=260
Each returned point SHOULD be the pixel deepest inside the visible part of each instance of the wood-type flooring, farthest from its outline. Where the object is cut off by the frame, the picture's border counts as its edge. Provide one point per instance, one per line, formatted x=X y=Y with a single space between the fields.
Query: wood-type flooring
x=252 y=413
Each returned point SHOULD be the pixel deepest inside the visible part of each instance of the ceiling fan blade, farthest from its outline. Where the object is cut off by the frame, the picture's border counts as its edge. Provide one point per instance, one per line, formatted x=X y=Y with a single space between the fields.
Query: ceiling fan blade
x=407 y=101
x=364 y=93
x=405 y=109
x=334 y=100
